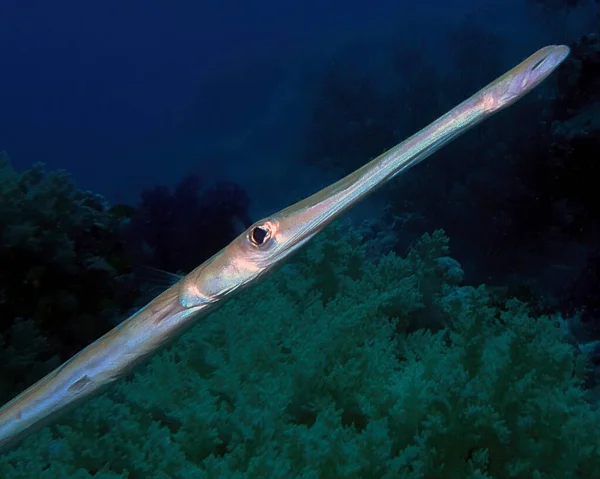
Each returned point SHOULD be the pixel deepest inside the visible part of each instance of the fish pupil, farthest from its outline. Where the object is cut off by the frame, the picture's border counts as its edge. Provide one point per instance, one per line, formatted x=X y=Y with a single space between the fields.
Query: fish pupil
x=259 y=235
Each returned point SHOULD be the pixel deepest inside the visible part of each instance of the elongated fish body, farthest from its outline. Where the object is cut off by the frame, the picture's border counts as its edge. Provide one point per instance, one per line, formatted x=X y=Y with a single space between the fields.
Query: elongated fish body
x=250 y=256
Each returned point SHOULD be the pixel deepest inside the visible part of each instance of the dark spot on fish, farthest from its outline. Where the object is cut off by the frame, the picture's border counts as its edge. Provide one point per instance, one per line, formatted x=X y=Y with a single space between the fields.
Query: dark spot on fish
x=80 y=384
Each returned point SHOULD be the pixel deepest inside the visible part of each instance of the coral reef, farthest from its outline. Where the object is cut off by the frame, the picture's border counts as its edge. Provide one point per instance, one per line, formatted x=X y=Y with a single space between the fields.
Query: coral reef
x=68 y=259
x=303 y=376
x=64 y=277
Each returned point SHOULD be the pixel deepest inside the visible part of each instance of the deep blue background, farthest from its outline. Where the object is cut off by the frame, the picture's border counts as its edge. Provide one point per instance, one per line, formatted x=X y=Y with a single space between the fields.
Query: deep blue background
x=128 y=94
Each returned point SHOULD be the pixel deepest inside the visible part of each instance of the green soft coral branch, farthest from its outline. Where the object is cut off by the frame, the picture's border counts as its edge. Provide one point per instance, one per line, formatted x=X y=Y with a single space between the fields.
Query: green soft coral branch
x=301 y=378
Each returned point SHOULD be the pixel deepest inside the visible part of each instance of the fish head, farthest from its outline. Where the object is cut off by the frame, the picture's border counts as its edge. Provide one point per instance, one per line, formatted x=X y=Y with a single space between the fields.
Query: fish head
x=251 y=255
x=523 y=78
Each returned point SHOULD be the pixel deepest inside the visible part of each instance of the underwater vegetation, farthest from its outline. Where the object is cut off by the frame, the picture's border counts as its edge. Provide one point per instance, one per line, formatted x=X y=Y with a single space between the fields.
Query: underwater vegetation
x=64 y=276
x=357 y=388
x=68 y=259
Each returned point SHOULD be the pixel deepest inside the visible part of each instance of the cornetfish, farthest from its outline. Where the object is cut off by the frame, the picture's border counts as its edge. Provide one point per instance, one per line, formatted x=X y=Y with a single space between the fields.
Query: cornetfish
x=250 y=256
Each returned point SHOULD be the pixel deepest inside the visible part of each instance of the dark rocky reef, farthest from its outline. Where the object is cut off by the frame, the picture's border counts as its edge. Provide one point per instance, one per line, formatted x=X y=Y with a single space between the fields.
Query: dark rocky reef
x=65 y=276
x=68 y=259
x=519 y=199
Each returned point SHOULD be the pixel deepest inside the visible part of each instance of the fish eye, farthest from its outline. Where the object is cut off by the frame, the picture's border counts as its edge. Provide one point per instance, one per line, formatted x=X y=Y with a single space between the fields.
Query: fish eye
x=260 y=235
